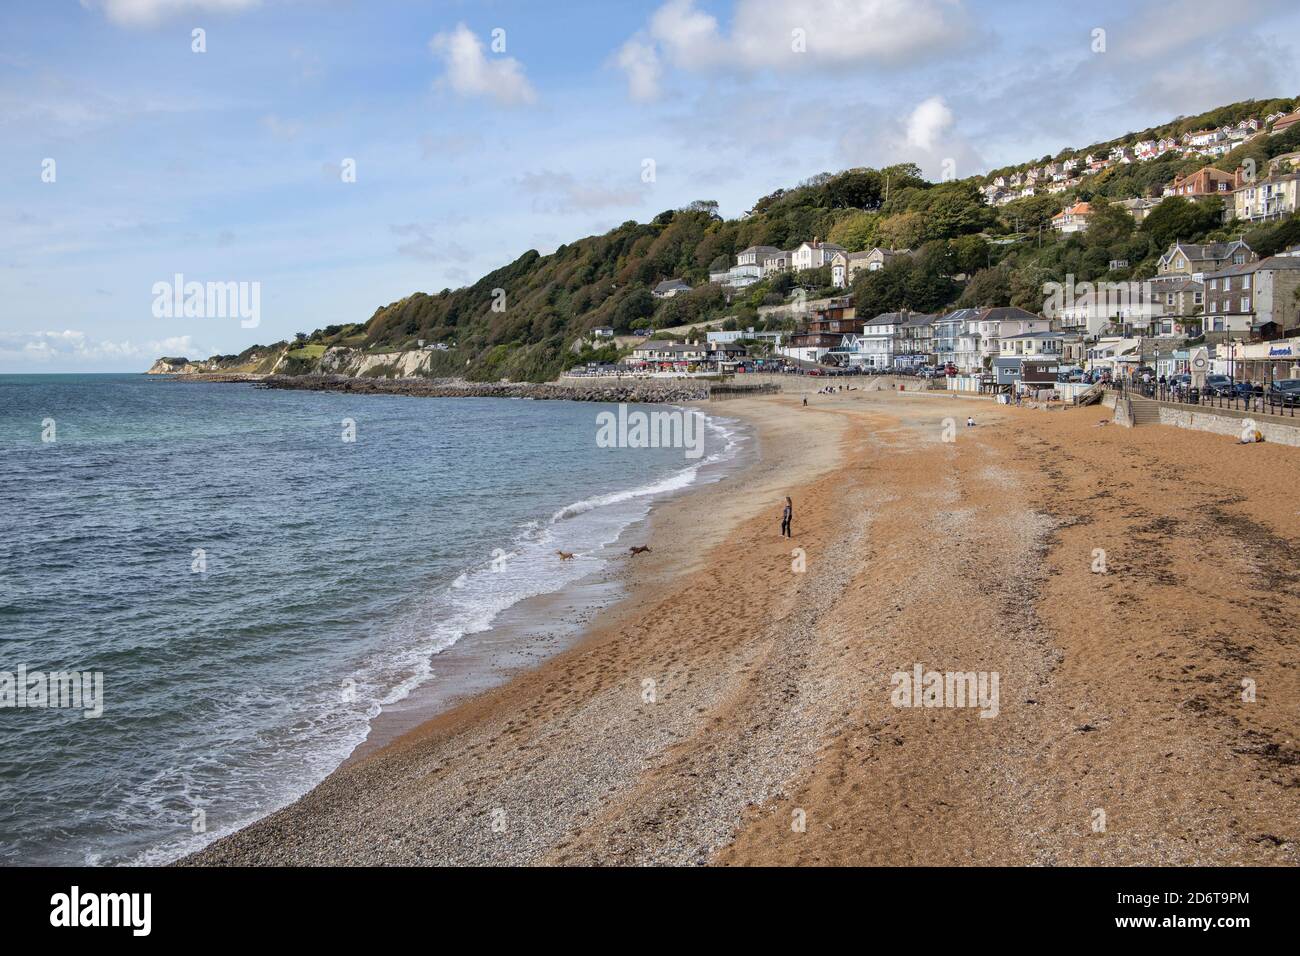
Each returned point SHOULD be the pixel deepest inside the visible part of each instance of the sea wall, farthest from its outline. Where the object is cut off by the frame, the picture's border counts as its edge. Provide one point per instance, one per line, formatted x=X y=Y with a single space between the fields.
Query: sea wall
x=1226 y=421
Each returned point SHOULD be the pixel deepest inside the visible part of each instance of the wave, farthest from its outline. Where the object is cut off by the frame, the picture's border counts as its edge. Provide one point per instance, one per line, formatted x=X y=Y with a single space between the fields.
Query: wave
x=471 y=602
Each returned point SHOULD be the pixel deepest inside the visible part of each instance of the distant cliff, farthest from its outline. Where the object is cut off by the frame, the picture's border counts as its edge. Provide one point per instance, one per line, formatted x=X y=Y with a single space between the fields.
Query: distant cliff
x=176 y=366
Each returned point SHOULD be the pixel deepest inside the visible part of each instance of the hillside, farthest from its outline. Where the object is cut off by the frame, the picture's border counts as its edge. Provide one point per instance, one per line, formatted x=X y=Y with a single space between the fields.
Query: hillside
x=529 y=320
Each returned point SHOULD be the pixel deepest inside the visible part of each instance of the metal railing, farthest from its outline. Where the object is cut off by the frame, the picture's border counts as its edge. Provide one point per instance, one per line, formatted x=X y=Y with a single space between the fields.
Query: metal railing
x=1259 y=403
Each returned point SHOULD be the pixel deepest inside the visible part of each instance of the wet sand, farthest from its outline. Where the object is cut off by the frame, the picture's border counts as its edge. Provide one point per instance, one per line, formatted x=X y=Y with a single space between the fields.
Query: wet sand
x=735 y=708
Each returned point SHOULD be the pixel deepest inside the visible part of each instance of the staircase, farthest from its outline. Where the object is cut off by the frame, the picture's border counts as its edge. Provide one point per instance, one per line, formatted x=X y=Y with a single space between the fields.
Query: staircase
x=1145 y=411
x=1092 y=395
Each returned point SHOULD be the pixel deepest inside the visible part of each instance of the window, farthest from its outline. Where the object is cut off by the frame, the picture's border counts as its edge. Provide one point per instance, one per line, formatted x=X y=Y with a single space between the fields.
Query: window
x=1245 y=303
x=1245 y=282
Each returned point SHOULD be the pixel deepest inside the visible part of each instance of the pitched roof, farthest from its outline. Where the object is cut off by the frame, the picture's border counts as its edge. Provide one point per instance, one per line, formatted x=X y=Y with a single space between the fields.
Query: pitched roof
x=1005 y=313
x=1175 y=283
x=1206 y=250
x=669 y=284
x=1078 y=209
x=1271 y=264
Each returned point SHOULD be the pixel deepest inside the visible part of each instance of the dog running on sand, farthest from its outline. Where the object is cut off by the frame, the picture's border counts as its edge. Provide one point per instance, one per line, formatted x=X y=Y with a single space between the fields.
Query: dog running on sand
x=639 y=549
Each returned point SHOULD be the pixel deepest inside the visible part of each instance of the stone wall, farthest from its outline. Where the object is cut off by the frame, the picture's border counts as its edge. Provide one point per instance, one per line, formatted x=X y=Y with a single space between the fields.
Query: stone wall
x=1225 y=421
x=1123 y=412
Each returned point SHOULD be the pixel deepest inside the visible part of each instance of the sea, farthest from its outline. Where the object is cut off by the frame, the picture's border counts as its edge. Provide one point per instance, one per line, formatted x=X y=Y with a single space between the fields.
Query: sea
x=255 y=575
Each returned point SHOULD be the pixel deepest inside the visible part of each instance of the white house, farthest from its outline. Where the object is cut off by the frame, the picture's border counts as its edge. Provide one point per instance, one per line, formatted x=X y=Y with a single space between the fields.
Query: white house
x=979 y=342
x=659 y=352
x=814 y=255
x=876 y=344
x=1032 y=345
x=1072 y=218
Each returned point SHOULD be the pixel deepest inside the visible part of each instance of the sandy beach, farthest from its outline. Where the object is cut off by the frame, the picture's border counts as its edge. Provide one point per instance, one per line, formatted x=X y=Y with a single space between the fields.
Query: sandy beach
x=735 y=707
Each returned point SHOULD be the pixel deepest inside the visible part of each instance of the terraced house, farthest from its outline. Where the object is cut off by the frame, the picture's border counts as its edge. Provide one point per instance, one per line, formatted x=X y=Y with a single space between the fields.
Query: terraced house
x=980 y=341
x=1257 y=298
x=1265 y=199
x=947 y=328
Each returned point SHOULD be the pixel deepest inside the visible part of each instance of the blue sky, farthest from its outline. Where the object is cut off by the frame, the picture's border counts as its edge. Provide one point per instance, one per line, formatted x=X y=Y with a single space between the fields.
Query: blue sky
x=225 y=165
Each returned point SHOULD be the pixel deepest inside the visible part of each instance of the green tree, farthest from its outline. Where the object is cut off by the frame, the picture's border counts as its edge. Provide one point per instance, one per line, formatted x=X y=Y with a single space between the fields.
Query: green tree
x=635 y=306
x=1108 y=225
x=1179 y=218
x=987 y=288
x=856 y=232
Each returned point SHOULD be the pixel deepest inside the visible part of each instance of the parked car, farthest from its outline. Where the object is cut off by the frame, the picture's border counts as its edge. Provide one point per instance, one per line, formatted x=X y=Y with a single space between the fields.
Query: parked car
x=1180 y=382
x=1219 y=385
x=1285 y=393
x=1247 y=390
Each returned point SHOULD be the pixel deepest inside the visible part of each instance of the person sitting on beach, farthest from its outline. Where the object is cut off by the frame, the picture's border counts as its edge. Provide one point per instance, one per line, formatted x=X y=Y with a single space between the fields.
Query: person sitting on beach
x=786 y=514
x=970 y=422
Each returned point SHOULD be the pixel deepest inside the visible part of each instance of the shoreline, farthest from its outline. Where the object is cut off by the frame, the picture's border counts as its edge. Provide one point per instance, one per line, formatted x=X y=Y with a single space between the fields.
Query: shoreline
x=542 y=625
x=731 y=693
x=483 y=664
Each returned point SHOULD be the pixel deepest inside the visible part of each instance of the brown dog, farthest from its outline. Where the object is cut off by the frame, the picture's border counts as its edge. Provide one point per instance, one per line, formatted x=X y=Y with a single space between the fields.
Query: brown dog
x=639 y=549
x=565 y=555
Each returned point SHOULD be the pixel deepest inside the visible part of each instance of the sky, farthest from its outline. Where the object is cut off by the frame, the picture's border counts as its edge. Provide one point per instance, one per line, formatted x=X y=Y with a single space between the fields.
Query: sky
x=330 y=157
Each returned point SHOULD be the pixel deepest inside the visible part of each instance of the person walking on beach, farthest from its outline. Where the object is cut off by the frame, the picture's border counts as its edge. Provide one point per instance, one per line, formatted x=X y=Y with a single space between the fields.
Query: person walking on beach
x=786 y=514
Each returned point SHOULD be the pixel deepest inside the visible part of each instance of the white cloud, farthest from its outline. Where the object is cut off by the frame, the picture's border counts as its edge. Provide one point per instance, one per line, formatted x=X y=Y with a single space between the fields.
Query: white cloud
x=927 y=136
x=77 y=346
x=281 y=128
x=930 y=120
x=470 y=72
x=564 y=193
x=790 y=34
x=425 y=241
x=639 y=60
x=147 y=13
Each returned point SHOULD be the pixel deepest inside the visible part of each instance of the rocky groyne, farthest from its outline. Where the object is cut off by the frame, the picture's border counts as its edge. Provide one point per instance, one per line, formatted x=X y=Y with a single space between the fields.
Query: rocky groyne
x=641 y=392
